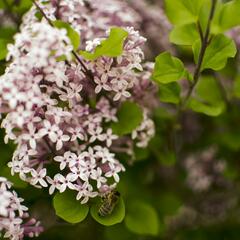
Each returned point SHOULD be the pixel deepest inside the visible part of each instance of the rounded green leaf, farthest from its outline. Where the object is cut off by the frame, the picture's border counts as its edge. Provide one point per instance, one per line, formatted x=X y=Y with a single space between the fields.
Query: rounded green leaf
x=229 y=16
x=168 y=69
x=217 y=53
x=183 y=11
x=111 y=47
x=184 y=35
x=115 y=217
x=208 y=98
x=141 y=218
x=169 y=93
x=68 y=208
x=129 y=116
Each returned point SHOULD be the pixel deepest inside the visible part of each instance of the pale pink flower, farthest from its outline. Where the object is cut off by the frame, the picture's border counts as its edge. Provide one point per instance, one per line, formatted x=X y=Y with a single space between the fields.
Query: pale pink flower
x=102 y=84
x=31 y=136
x=38 y=177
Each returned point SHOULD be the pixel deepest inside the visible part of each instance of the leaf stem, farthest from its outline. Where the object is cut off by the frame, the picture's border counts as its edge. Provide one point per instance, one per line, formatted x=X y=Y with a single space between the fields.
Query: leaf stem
x=204 y=45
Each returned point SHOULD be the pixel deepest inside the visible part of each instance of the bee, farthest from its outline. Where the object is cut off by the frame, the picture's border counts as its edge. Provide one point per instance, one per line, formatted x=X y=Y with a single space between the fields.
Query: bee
x=109 y=201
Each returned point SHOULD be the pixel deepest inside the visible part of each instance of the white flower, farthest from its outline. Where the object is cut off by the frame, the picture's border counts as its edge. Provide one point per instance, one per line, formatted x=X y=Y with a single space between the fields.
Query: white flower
x=38 y=177
x=21 y=115
x=101 y=84
x=49 y=129
x=97 y=175
x=65 y=160
x=96 y=134
x=54 y=183
x=14 y=222
x=109 y=136
x=77 y=133
x=104 y=154
x=113 y=172
x=31 y=136
x=91 y=45
x=5 y=200
x=121 y=92
x=85 y=191
x=39 y=56
x=56 y=74
x=60 y=138
x=65 y=182
x=13 y=96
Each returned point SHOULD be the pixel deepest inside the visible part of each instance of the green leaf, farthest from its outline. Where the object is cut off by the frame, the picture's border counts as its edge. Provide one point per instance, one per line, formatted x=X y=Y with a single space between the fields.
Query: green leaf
x=141 y=218
x=71 y=33
x=217 y=53
x=208 y=98
x=111 y=47
x=168 y=69
x=229 y=16
x=204 y=16
x=185 y=34
x=3 y=47
x=129 y=116
x=68 y=208
x=115 y=217
x=169 y=93
x=181 y=12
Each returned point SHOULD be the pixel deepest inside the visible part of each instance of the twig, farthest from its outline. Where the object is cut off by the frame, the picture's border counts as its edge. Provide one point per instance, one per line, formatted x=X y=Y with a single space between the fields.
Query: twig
x=204 y=45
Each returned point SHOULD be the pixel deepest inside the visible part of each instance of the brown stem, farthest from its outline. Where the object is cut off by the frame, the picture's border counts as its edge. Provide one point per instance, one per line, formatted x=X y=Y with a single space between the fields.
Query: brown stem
x=200 y=31
x=204 y=45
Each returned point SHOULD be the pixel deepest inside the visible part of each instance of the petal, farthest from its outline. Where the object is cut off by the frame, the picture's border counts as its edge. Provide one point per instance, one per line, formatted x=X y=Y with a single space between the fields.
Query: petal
x=62 y=188
x=59 y=145
x=32 y=143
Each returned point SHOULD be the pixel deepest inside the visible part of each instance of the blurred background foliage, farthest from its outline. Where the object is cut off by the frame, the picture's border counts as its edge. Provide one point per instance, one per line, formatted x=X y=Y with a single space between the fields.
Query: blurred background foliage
x=163 y=197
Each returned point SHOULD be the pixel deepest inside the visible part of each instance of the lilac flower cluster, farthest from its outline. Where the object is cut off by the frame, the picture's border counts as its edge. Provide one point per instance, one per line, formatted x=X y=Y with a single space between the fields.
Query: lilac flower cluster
x=14 y=218
x=59 y=114
x=203 y=170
